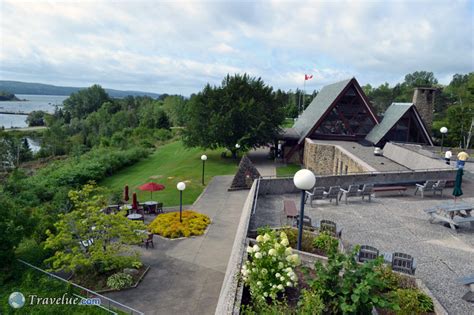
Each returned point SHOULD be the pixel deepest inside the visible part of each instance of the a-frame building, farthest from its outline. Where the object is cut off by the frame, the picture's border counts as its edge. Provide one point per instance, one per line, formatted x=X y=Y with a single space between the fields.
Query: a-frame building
x=340 y=111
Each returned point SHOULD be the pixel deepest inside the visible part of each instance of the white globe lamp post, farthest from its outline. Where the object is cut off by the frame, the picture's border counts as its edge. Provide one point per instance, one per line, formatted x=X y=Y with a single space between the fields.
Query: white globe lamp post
x=443 y=131
x=181 y=186
x=203 y=159
x=304 y=179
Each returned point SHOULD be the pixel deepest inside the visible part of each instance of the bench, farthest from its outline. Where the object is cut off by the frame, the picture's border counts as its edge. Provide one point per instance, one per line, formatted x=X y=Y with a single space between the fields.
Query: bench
x=390 y=188
x=289 y=208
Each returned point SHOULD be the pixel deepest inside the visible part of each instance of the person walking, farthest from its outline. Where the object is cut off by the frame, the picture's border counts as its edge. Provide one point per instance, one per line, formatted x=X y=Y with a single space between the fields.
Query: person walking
x=447 y=156
x=462 y=158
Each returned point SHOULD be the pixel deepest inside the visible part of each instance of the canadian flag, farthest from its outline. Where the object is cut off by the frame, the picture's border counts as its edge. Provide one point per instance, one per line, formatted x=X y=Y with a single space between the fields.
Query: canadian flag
x=308 y=77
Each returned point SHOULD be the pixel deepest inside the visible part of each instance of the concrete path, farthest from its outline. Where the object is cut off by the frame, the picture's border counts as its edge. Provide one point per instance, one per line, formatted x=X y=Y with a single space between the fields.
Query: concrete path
x=186 y=275
x=259 y=158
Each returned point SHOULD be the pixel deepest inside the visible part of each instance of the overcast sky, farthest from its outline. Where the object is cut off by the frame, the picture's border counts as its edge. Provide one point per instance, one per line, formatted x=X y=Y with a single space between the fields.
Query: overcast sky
x=179 y=46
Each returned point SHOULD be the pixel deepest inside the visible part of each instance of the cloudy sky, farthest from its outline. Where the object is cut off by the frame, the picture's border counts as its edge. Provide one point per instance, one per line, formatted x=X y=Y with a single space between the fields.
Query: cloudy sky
x=179 y=46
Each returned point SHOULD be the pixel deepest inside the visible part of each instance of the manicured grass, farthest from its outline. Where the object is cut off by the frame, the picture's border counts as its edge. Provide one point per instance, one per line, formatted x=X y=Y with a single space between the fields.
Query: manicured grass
x=288 y=170
x=168 y=165
x=288 y=123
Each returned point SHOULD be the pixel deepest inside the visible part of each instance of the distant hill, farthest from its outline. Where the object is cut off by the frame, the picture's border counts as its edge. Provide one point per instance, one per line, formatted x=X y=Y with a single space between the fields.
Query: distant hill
x=17 y=87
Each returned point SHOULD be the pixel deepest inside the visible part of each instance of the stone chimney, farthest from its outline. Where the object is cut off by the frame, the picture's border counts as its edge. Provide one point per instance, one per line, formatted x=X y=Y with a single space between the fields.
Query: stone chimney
x=423 y=98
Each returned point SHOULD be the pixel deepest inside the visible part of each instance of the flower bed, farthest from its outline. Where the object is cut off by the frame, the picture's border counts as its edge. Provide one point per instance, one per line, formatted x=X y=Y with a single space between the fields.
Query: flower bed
x=169 y=226
x=339 y=285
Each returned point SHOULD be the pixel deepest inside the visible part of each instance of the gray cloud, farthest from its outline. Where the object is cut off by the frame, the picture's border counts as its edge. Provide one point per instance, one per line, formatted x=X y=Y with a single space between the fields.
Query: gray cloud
x=177 y=47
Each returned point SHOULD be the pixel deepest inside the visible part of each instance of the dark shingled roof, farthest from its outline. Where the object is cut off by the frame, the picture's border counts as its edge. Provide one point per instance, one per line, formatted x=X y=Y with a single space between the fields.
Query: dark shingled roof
x=392 y=115
x=315 y=110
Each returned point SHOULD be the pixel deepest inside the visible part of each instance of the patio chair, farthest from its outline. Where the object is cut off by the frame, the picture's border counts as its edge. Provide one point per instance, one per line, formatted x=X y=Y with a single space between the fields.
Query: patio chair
x=402 y=262
x=352 y=191
x=427 y=186
x=367 y=253
x=439 y=186
x=317 y=194
x=468 y=281
x=159 y=208
x=306 y=221
x=330 y=227
x=367 y=190
x=152 y=208
x=149 y=241
x=333 y=193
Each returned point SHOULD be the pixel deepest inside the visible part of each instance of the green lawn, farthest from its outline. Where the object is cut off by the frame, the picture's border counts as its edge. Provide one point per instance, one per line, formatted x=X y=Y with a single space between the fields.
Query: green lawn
x=288 y=123
x=168 y=165
x=288 y=170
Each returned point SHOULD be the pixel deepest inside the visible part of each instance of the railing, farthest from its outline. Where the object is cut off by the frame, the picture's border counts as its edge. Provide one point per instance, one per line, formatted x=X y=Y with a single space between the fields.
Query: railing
x=110 y=304
x=255 y=197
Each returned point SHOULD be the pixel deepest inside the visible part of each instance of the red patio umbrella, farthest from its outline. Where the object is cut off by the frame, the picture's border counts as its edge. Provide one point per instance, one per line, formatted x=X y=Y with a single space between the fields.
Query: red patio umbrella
x=151 y=187
x=134 y=201
x=125 y=194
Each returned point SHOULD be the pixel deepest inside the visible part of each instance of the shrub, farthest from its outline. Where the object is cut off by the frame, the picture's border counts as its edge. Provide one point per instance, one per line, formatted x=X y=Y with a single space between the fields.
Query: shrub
x=168 y=225
x=325 y=243
x=119 y=281
x=306 y=240
x=310 y=303
x=412 y=301
x=269 y=269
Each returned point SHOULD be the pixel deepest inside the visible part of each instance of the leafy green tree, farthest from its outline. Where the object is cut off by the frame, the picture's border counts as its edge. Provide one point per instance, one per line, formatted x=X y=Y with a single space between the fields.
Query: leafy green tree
x=420 y=79
x=12 y=227
x=175 y=108
x=242 y=110
x=25 y=153
x=36 y=118
x=86 y=101
x=88 y=240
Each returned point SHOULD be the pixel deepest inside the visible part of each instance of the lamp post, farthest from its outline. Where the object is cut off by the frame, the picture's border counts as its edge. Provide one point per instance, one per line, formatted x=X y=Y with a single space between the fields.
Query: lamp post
x=181 y=186
x=237 y=147
x=443 y=131
x=304 y=179
x=203 y=159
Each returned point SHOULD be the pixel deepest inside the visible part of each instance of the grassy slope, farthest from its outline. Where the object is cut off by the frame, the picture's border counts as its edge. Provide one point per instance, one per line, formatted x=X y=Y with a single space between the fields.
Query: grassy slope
x=288 y=170
x=169 y=165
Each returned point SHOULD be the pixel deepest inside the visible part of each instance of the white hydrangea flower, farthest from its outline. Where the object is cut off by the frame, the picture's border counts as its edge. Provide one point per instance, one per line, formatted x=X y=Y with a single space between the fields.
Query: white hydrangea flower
x=274 y=286
x=284 y=242
x=258 y=255
x=265 y=294
x=259 y=283
x=280 y=265
x=264 y=271
x=278 y=275
x=288 y=251
x=277 y=246
x=283 y=235
x=249 y=249
x=266 y=237
x=256 y=248
x=294 y=278
x=280 y=287
x=289 y=284
x=282 y=278
x=260 y=238
x=272 y=252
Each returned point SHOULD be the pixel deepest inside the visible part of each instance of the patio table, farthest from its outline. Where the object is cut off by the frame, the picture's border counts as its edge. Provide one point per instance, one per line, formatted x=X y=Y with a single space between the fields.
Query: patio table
x=449 y=213
x=150 y=203
x=135 y=216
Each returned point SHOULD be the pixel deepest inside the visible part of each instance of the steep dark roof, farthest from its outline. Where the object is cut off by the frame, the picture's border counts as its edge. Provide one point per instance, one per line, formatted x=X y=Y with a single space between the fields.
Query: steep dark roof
x=392 y=115
x=316 y=109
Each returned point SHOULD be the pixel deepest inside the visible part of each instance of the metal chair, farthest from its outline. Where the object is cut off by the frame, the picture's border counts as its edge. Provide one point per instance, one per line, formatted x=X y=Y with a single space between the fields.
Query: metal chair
x=439 y=186
x=350 y=192
x=367 y=253
x=402 y=262
x=149 y=241
x=330 y=227
x=317 y=194
x=159 y=208
x=367 y=190
x=427 y=186
x=333 y=193
x=306 y=221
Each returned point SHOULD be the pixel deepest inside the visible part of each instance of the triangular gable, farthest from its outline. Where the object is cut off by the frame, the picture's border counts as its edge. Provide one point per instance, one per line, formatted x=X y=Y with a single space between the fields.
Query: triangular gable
x=401 y=123
x=325 y=106
x=245 y=175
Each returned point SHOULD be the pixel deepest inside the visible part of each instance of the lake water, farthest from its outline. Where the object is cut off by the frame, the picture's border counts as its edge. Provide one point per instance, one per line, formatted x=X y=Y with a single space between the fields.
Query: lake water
x=45 y=103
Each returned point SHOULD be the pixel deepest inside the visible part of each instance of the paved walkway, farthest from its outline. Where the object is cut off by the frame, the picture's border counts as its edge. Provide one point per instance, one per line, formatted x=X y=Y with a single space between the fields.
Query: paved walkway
x=259 y=158
x=186 y=275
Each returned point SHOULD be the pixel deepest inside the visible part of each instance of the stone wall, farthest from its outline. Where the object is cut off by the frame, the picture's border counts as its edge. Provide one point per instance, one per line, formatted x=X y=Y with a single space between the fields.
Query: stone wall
x=423 y=98
x=329 y=159
x=411 y=159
